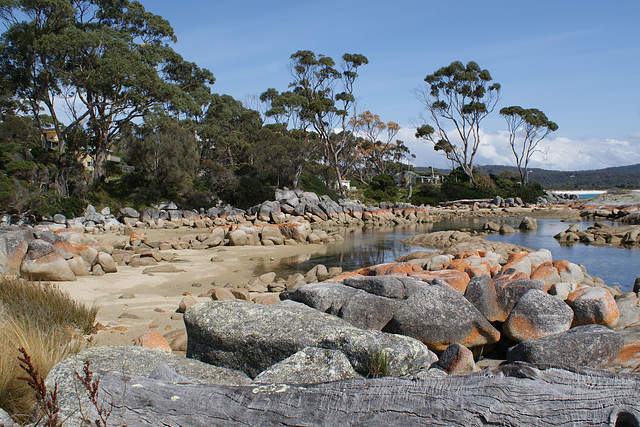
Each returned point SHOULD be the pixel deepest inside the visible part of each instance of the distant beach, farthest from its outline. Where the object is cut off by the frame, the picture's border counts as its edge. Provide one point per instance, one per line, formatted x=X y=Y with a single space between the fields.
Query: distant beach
x=586 y=194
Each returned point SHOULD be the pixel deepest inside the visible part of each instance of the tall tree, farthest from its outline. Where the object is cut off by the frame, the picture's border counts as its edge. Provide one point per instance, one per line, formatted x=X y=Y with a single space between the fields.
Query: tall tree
x=461 y=96
x=527 y=127
x=328 y=100
x=111 y=60
x=377 y=148
x=164 y=156
x=28 y=57
x=227 y=131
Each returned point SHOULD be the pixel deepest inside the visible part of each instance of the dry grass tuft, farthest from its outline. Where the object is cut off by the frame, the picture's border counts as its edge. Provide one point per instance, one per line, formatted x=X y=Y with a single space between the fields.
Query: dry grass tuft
x=43 y=320
x=44 y=305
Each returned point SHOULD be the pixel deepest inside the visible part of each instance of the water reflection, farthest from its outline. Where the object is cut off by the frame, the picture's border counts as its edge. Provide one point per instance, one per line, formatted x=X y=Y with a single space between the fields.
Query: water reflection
x=361 y=248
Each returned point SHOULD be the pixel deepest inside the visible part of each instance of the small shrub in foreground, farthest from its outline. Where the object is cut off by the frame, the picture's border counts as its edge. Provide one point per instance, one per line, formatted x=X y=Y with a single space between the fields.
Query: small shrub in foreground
x=43 y=320
x=46 y=349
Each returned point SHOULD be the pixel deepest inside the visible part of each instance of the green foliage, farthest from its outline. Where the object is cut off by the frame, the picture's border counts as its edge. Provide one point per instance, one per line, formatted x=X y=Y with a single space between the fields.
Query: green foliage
x=165 y=159
x=248 y=191
x=462 y=95
x=382 y=189
x=310 y=182
x=487 y=187
x=379 y=365
x=527 y=127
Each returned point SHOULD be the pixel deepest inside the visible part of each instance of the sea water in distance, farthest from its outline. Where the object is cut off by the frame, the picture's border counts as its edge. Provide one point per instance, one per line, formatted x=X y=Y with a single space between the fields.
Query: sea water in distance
x=616 y=266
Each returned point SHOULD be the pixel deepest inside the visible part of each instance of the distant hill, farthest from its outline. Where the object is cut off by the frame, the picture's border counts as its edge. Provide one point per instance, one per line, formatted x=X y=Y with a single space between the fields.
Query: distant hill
x=598 y=179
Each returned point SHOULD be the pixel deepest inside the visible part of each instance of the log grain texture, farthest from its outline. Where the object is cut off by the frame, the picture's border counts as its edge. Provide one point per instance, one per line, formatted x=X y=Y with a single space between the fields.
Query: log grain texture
x=512 y=395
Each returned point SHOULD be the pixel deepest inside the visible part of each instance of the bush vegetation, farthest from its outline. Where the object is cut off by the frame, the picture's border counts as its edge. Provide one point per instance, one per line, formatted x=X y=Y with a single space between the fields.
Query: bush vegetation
x=458 y=187
x=43 y=320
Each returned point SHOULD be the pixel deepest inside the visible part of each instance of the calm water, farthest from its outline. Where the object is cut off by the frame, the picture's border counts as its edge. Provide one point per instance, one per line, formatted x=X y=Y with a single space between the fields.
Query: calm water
x=616 y=266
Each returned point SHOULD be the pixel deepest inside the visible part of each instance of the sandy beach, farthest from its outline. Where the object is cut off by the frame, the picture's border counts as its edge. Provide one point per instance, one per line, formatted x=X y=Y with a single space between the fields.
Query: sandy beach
x=131 y=302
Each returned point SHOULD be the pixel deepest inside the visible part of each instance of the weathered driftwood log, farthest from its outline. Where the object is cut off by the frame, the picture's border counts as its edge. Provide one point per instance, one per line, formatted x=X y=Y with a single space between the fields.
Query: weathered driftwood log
x=517 y=394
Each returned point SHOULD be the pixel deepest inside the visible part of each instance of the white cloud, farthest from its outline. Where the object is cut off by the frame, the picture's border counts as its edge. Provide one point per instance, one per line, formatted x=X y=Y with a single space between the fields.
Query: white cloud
x=560 y=153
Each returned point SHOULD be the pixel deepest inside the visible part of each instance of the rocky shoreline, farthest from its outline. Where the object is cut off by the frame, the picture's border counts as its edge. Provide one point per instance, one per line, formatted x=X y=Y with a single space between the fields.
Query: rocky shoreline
x=427 y=318
x=471 y=305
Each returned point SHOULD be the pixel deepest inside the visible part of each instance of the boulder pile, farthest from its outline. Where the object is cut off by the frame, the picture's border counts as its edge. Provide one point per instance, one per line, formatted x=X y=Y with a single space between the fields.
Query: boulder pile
x=600 y=234
x=542 y=311
x=289 y=206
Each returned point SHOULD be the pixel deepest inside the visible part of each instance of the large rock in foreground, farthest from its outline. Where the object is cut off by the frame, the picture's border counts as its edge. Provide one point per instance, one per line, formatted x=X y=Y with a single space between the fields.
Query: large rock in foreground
x=128 y=360
x=252 y=337
x=590 y=345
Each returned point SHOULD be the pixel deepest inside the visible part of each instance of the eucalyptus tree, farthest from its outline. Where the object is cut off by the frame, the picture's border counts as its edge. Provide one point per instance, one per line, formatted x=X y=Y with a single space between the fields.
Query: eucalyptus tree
x=228 y=129
x=110 y=60
x=527 y=127
x=28 y=57
x=326 y=100
x=378 y=147
x=460 y=96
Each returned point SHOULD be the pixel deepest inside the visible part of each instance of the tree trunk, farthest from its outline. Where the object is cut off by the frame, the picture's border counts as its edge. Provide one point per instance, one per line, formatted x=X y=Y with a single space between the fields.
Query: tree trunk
x=519 y=394
x=297 y=175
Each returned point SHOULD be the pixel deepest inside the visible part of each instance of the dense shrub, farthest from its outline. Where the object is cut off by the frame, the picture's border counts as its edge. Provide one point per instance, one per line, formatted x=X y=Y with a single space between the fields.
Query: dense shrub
x=457 y=187
x=382 y=189
x=309 y=182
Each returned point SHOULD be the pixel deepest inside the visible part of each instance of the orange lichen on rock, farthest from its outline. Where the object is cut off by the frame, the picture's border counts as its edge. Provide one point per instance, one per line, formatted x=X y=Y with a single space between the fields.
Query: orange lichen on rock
x=478 y=269
x=152 y=340
x=457 y=279
x=593 y=305
x=457 y=264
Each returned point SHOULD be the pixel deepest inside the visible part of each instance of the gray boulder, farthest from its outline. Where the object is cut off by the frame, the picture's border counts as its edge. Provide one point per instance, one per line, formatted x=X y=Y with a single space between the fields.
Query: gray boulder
x=510 y=292
x=49 y=267
x=328 y=297
x=149 y=215
x=457 y=359
x=59 y=219
x=438 y=316
x=369 y=311
x=282 y=194
x=482 y=294
x=310 y=365
x=537 y=314
x=253 y=337
x=13 y=247
x=39 y=248
x=594 y=346
x=385 y=286
x=528 y=224
x=129 y=213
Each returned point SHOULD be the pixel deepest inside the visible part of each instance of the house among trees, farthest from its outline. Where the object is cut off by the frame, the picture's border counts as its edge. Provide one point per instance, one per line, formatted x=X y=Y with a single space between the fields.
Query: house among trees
x=50 y=139
x=346 y=184
x=407 y=178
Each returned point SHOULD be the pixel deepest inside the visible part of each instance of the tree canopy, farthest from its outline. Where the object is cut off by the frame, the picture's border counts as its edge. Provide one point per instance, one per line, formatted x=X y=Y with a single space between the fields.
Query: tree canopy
x=110 y=61
x=460 y=96
x=527 y=127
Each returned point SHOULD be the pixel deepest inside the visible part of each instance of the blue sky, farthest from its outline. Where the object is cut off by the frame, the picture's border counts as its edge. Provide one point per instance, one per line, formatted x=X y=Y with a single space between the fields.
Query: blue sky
x=578 y=61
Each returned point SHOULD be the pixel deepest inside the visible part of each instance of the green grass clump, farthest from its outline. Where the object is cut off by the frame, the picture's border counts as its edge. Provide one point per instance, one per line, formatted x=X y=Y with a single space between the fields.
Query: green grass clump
x=43 y=320
x=379 y=365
